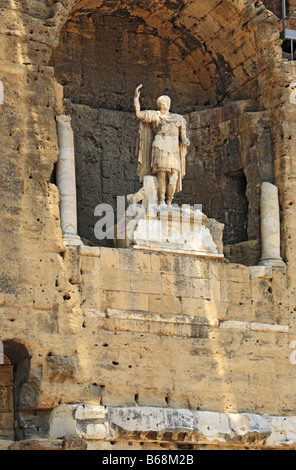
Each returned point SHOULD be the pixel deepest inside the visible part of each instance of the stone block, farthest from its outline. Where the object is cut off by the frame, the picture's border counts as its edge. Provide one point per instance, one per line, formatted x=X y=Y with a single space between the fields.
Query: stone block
x=6 y=425
x=260 y=272
x=109 y=258
x=5 y=444
x=224 y=15
x=60 y=368
x=177 y=286
x=202 y=288
x=116 y=280
x=213 y=426
x=179 y=420
x=38 y=444
x=74 y=443
x=164 y=304
x=249 y=428
x=6 y=399
x=95 y=432
x=143 y=261
x=93 y=251
x=146 y=283
x=237 y=311
x=132 y=260
x=6 y=375
x=189 y=266
x=73 y=262
x=161 y=262
x=283 y=431
x=237 y=273
x=90 y=412
x=215 y=290
x=239 y=293
x=192 y=305
x=135 y=419
x=126 y=300
x=62 y=422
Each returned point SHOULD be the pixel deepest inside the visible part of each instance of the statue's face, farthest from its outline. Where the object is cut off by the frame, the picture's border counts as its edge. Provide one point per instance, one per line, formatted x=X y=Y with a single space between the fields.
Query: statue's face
x=164 y=103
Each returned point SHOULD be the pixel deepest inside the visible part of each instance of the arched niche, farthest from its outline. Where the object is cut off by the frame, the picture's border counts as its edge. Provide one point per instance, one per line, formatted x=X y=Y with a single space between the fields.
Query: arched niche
x=17 y=367
x=212 y=57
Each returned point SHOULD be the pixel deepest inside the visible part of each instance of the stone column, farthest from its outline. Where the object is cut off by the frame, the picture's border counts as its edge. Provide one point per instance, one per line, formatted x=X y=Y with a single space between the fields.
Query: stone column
x=270 y=226
x=66 y=181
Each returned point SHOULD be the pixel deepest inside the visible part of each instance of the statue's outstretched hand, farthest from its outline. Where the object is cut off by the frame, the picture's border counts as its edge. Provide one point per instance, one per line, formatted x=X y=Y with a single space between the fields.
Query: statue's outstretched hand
x=137 y=92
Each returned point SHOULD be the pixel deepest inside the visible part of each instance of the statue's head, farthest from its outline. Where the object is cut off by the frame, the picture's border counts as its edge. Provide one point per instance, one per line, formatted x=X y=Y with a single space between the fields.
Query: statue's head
x=164 y=103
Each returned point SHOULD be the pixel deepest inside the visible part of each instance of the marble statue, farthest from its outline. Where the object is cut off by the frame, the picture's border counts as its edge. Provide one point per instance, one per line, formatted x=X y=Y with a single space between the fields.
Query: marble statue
x=151 y=222
x=161 y=147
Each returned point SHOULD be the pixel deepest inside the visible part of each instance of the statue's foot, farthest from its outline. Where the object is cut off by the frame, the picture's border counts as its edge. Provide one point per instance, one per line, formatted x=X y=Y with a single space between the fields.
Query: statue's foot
x=169 y=201
x=162 y=204
x=161 y=200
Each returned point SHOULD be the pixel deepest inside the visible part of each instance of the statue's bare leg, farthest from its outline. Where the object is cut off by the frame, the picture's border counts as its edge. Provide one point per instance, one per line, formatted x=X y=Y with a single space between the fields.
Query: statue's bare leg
x=171 y=187
x=161 y=177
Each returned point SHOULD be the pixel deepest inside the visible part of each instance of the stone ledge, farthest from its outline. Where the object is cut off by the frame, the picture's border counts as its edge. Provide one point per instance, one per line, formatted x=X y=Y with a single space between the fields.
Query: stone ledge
x=203 y=427
x=260 y=272
x=94 y=251
x=267 y=327
x=201 y=255
x=89 y=412
x=177 y=426
x=70 y=443
x=5 y=445
x=161 y=425
x=131 y=320
x=199 y=427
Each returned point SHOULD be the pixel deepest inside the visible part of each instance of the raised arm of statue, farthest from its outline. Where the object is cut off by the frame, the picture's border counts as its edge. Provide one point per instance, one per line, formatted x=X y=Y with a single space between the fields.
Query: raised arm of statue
x=145 y=138
x=137 y=105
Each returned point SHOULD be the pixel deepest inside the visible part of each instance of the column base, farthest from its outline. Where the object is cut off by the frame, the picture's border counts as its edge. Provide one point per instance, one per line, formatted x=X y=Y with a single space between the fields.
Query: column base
x=72 y=240
x=273 y=262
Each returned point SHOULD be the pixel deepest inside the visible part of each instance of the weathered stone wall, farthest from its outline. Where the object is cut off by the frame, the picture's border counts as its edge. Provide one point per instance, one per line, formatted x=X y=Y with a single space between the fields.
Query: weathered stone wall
x=102 y=59
x=114 y=328
x=187 y=303
x=161 y=331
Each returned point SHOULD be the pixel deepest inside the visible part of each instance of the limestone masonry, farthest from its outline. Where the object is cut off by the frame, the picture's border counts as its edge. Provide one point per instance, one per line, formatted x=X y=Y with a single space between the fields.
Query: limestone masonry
x=125 y=343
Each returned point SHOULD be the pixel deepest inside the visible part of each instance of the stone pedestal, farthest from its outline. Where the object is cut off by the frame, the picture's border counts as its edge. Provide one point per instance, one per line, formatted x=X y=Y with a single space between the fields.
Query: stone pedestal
x=66 y=181
x=167 y=229
x=270 y=226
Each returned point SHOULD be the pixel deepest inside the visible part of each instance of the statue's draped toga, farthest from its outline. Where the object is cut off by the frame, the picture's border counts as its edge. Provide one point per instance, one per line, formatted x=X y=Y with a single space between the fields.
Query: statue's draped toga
x=162 y=146
x=159 y=145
